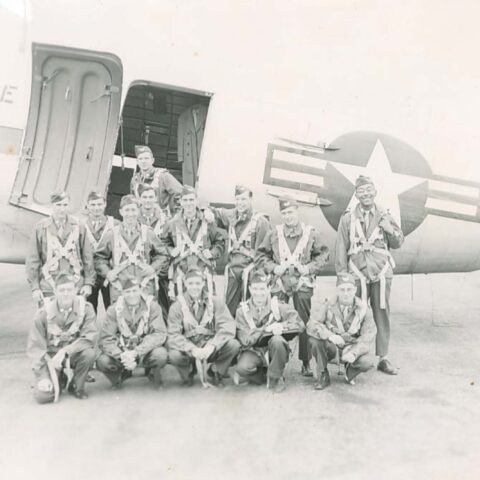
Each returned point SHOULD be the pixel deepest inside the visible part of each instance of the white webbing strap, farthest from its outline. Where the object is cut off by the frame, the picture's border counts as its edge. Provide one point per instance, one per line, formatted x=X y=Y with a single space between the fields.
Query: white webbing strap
x=57 y=251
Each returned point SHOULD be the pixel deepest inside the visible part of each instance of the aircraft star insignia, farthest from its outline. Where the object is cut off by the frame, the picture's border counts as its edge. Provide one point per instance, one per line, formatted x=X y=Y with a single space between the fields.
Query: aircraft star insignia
x=404 y=180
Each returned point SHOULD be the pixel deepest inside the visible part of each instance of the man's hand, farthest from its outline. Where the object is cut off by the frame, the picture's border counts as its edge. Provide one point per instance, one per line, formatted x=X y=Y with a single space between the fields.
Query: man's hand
x=208 y=215
x=276 y=328
x=111 y=277
x=197 y=353
x=303 y=269
x=347 y=338
x=58 y=359
x=148 y=271
x=37 y=296
x=207 y=351
x=348 y=357
x=279 y=270
x=386 y=225
x=337 y=340
x=45 y=385
x=128 y=359
x=207 y=254
x=86 y=290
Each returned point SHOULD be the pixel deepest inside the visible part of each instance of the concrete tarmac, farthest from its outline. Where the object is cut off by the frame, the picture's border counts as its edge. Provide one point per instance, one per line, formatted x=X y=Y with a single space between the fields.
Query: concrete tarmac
x=422 y=424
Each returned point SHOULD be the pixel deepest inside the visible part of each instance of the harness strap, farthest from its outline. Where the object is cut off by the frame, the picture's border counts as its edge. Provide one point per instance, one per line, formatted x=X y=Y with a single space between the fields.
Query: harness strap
x=273 y=316
x=235 y=243
x=109 y=224
x=125 y=331
x=289 y=258
x=57 y=251
x=54 y=330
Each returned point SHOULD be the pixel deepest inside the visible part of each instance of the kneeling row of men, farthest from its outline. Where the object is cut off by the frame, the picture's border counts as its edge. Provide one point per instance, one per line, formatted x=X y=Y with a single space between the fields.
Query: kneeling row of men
x=202 y=336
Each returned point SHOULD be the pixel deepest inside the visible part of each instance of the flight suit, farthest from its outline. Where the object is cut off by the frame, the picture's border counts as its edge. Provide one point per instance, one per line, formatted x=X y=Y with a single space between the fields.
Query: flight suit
x=354 y=324
x=251 y=322
x=364 y=252
x=156 y=219
x=305 y=245
x=56 y=249
x=96 y=229
x=168 y=188
x=246 y=232
x=191 y=241
x=53 y=328
x=141 y=329
x=191 y=325
x=126 y=252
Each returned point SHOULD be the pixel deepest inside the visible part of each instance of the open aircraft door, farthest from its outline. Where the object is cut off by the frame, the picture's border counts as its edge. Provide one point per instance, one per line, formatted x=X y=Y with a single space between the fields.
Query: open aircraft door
x=72 y=126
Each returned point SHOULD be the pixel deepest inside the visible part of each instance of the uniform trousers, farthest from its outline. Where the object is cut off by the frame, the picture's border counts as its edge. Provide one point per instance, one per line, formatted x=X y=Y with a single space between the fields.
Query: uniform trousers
x=113 y=368
x=221 y=358
x=302 y=302
x=323 y=351
x=251 y=365
x=81 y=363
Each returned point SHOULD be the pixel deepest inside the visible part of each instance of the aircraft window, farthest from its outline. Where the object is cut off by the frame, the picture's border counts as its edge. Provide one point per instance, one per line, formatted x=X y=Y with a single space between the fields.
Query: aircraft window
x=171 y=122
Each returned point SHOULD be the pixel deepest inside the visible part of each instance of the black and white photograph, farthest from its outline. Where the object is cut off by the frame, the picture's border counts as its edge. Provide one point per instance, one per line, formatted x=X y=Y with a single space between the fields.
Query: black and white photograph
x=239 y=239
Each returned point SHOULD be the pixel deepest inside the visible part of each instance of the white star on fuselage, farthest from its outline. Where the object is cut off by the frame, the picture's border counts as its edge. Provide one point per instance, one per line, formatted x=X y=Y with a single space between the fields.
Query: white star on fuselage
x=389 y=185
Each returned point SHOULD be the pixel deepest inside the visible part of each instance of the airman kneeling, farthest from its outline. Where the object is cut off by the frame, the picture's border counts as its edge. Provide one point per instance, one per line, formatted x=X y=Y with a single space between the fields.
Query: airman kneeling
x=344 y=327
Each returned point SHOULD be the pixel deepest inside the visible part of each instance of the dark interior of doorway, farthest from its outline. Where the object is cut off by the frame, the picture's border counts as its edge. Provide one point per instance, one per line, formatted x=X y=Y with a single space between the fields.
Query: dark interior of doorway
x=150 y=117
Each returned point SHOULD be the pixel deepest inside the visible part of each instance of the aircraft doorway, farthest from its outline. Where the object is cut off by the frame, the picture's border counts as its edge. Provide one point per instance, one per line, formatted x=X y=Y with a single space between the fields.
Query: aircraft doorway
x=171 y=121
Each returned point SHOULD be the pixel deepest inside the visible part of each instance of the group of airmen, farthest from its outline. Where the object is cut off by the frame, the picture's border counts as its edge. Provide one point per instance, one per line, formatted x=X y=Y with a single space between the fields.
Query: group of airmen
x=155 y=273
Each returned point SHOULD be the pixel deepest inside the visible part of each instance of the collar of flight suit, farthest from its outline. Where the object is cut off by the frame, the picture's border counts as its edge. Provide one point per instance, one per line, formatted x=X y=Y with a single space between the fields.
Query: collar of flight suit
x=293 y=232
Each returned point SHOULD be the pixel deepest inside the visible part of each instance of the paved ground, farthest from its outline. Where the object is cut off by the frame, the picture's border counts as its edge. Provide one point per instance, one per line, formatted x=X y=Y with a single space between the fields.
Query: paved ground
x=423 y=424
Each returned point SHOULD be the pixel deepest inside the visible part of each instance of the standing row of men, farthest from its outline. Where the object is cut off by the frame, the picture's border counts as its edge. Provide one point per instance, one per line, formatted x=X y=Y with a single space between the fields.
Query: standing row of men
x=163 y=253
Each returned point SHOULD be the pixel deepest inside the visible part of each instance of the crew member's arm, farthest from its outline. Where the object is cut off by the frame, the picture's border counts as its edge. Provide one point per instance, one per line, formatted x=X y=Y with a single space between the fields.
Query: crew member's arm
x=176 y=337
x=395 y=238
x=37 y=345
x=167 y=236
x=316 y=326
x=173 y=187
x=33 y=261
x=222 y=216
x=87 y=257
x=342 y=245
x=157 y=334
x=265 y=254
x=262 y=229
x=368 y=332
x=246 y=336
x=224 y=325
x=103 y=254
x=290 y=318
x=88 y=333
x=159 y=256
x=108 y=341
x=217 y=238
x=319 y=255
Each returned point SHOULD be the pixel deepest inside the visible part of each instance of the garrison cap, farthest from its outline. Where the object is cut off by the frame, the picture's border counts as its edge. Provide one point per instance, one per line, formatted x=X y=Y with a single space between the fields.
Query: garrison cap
x=95 y=195
x=127 y=200
x=59 y=196
x=145 y=187
x=187 y=190
x=63 y=278
x=258 y=276
x=363 y=180
x=344 y=278
x=287 y=202
x=139 y=149
x=239 y=189
x=194 y=271
x=130 y=282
